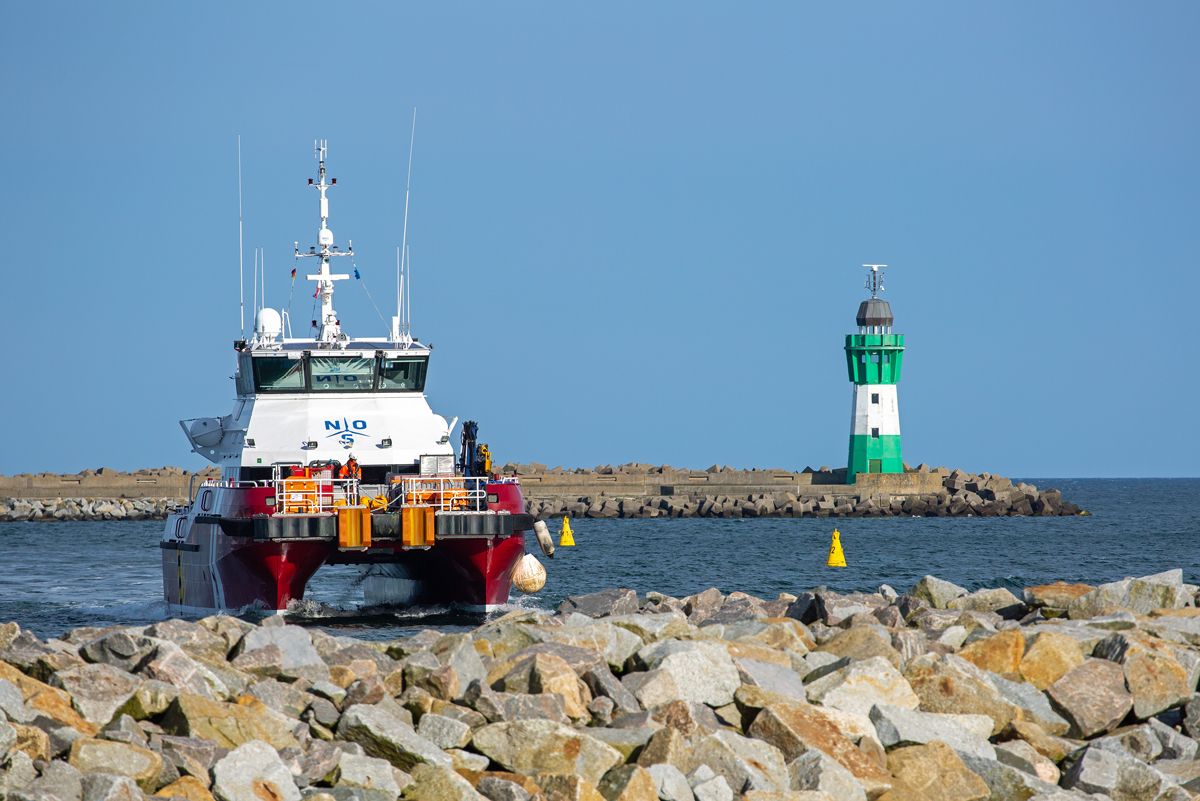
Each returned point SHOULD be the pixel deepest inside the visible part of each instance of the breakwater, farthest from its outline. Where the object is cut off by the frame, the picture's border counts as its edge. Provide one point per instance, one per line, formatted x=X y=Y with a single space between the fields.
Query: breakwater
x=163 y=482
x=85 y=509
x=627 y=491
x=1059 y=691
x=639 y=491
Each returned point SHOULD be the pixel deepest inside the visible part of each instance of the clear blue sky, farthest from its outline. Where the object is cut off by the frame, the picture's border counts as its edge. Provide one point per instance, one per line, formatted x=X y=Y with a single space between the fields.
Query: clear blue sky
x=636 y=228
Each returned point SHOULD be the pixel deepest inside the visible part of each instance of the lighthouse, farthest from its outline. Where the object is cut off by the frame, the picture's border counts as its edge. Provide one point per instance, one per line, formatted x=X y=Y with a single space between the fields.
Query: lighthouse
x=873 y=358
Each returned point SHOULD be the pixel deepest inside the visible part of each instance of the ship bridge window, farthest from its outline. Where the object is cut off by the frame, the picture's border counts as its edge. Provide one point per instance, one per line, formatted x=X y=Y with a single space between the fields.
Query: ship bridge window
x=341 y=373
x=406 y=374
x=278 y=374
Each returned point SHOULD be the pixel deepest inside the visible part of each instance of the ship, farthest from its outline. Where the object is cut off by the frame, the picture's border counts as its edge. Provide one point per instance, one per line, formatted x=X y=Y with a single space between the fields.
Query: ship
x=422 y=524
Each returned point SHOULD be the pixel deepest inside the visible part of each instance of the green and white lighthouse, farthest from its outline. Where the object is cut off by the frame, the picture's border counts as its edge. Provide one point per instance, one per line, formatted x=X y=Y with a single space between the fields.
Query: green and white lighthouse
x=873 y=357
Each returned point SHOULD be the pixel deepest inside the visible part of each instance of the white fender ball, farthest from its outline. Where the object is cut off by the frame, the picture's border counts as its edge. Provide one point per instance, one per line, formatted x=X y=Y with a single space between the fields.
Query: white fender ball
x=530 y=576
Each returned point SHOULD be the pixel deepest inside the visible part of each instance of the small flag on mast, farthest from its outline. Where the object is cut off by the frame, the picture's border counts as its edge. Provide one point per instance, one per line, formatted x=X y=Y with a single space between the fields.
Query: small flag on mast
x=318 y=292
x=356 y=275
x=293 y=275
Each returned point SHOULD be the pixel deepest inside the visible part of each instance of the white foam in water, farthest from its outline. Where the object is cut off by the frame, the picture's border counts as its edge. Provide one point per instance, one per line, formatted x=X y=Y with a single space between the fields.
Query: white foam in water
x=153 y=610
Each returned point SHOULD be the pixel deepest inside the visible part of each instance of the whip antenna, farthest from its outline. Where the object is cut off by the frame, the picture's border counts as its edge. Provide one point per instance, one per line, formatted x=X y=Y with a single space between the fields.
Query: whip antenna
x=241 y=254
x=404 y=236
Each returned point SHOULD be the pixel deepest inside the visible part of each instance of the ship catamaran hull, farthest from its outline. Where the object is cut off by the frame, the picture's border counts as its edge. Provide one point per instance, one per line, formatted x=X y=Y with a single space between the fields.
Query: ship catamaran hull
x=208 y=570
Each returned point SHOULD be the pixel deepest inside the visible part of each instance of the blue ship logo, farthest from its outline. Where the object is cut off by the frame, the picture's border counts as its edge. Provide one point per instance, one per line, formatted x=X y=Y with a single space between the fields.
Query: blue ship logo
x=346 y=430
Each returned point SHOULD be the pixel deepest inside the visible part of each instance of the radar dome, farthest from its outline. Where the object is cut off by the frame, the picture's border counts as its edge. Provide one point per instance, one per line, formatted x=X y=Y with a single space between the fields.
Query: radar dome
x=267 y=323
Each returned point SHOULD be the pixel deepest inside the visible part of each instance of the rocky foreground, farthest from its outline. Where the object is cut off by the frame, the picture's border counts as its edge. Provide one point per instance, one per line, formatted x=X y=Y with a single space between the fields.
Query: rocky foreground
x=935 y=695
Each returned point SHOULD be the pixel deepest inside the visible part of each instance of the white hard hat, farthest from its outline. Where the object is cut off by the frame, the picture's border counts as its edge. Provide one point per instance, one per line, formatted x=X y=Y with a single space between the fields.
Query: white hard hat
x=352 y=456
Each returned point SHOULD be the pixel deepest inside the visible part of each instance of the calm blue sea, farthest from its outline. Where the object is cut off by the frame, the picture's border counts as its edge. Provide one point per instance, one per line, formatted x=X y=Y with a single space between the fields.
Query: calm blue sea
x=57 y=576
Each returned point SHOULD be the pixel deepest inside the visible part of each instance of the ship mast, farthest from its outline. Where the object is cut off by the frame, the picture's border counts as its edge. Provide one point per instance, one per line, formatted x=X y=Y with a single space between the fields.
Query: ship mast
x=330 y=329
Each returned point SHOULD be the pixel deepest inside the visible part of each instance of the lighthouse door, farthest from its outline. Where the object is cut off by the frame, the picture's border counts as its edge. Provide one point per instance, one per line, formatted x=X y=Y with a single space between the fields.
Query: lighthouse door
x=875 y=465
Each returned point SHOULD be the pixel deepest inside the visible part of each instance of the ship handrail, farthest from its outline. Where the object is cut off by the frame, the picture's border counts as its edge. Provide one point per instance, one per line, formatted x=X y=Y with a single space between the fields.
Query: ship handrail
x=218 y=483
x=442 y=493
x=317 y=495
x=314 y=495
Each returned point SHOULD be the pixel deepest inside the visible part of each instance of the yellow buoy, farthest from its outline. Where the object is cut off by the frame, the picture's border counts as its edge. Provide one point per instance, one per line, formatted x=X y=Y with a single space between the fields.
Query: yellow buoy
x=836 y=557
x=566 y=537
x=530 y=576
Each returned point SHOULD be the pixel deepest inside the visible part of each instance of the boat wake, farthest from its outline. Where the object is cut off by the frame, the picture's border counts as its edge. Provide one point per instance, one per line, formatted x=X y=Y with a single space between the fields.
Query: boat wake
x=385 y=622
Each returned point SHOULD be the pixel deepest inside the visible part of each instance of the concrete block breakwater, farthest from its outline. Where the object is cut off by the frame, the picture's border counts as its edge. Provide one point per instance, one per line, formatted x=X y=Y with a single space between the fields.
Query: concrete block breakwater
x=627 y=491
x=104 y=483
x=66 y=509
x=639 y=491
x=1067 y=692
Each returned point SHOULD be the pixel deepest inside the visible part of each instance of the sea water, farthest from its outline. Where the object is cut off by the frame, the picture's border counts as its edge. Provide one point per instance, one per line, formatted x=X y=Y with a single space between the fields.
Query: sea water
x=58 y=576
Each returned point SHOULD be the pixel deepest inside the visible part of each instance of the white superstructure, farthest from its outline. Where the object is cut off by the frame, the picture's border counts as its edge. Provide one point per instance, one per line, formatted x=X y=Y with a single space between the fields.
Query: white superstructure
x=301 y=400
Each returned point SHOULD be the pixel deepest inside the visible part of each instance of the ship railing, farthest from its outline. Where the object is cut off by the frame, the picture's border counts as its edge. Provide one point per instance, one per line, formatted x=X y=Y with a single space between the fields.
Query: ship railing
x=221 y=484
x=308 y=496
x=442 y=493
x=301 y=494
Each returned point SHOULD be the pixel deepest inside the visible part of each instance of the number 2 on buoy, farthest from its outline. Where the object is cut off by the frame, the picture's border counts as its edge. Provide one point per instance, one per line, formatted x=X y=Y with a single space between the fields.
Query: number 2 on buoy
x=836 y=557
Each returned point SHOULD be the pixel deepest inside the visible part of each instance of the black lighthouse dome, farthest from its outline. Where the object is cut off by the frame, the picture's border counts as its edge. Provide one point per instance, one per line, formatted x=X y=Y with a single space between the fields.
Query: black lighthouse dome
x=874 y=312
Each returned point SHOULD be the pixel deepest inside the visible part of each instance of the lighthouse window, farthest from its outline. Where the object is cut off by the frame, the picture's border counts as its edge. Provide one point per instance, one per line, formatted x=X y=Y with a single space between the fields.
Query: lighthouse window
x=403 y=374
x=341 y=373
x=874 y=433
x=278 y=374
x=874 y=358
x=874 y=397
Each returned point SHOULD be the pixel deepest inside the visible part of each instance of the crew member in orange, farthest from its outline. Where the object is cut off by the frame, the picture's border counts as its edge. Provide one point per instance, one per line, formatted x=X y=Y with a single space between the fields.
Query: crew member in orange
x=350 y=469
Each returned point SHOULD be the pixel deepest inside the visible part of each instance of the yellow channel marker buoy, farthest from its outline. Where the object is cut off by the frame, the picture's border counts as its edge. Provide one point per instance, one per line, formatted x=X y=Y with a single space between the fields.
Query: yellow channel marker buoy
x=836 y=557
x=566 y=538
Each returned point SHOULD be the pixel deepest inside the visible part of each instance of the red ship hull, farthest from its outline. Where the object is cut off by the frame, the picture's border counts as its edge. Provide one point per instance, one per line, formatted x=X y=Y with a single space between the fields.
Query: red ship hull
x=214 y=563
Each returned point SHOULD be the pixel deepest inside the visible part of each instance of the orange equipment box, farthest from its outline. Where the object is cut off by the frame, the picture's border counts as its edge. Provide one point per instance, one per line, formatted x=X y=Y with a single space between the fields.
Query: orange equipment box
x=354 y=527
x=416 y=525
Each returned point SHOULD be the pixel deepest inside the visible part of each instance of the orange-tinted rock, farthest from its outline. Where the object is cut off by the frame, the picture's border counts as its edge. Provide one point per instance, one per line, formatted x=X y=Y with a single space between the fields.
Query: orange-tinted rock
x=32 y=741
x=949 y=686
x=187 y=787
x=794 y=729
x=863 y=642
x=1051 y=657
x=52 y=704
x=936 y=771
x=628 y=783
x=1000 y=653
x=1057 y=595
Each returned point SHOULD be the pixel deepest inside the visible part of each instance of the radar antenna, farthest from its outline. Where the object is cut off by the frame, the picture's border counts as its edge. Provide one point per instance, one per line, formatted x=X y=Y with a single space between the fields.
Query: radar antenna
x=875 y=279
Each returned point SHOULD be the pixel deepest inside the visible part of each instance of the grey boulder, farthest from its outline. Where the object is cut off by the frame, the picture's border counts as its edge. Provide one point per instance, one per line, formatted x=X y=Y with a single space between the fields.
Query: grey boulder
x=670 y=783
x=251 y=772
x=817 y=771
x=898 y=726
x=387 y=737
x=107 y=787
x=746 y=764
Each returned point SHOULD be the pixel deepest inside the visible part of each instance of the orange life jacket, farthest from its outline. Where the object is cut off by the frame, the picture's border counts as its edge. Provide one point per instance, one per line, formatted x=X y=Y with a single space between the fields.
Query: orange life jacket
x=350 y=470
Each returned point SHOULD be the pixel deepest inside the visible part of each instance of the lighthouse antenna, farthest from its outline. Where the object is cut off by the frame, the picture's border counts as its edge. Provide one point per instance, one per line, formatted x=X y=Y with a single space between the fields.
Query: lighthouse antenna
x=875 y=278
